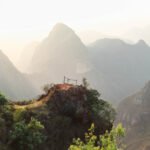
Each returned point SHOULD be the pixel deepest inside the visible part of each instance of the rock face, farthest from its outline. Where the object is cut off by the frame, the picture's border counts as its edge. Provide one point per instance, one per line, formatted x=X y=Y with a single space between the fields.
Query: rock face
x=14 y=84
x=134 y=113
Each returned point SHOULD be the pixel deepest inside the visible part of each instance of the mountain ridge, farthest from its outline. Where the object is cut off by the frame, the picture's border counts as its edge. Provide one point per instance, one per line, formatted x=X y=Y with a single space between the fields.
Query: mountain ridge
x=123 y=68
x=12 y=82
x=134 y=113
x=118 y=67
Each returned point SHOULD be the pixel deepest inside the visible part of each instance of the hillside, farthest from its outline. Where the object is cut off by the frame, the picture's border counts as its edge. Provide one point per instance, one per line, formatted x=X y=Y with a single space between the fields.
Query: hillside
x=134 y=113
x=119 y=69
x=65 y=110
x=14 y=84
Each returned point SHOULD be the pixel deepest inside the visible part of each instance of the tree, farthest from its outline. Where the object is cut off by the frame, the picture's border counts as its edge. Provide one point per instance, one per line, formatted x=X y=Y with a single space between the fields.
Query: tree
x=99 y=108
x=47 y=87
x=3 y=100
x=108 y=141
x=27 y=136
x=85 y=83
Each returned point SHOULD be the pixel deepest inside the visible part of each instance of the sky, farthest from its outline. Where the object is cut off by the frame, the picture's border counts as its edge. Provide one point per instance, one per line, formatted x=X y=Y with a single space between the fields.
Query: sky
x=24 y=21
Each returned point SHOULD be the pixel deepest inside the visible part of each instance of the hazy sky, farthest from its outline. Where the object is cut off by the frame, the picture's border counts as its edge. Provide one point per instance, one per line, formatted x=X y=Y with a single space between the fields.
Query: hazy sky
x=23 y=21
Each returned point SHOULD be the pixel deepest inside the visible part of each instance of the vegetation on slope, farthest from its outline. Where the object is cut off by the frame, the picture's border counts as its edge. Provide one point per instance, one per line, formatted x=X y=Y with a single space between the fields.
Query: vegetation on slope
x=51 y=122
x=108 y=141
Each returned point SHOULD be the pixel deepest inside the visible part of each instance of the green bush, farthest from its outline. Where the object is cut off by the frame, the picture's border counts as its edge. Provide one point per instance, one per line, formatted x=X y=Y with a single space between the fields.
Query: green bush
x=108 y=141
x=6 y=113
x=3 y=100
x=27 y=136
x=19 y=114
x=99 y=108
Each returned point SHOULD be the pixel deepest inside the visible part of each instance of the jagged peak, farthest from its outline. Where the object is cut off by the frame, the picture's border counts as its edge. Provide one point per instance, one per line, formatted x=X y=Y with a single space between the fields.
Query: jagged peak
x=141 y=43
x=62 y=26
x=61 y=29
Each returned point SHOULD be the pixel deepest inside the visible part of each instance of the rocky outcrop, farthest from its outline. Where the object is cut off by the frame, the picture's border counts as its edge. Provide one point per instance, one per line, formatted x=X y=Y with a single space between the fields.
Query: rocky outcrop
x=134 y=113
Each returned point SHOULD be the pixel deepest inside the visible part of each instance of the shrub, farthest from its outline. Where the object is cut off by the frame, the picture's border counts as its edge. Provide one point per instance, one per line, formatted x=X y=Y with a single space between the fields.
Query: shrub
x=100 y=109
x=18 y=115
x=85 y=83
x=6 y=112
x=27 y=136
x=3 y=100
x=108 y=141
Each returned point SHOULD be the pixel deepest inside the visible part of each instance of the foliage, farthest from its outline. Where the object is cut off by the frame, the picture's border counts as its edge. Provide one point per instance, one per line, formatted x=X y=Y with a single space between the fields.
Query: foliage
x=47 y=87
x=85 y=83
x=69 y=109
x=25 y=102
x=27 y=136
x=99 y=107
x=3 y=99
x=6 y=113
x=66 y=115
x=108 y=141
x=19 y=114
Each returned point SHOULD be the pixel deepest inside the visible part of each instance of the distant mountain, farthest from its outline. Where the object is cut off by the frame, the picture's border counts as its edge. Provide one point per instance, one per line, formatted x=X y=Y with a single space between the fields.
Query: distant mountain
x=113 y=66
x=90 y=36
x=12 y=83
x=134 y=113
x=26 y=56
x=137 y=33
x=61 y=53
x=119 y=69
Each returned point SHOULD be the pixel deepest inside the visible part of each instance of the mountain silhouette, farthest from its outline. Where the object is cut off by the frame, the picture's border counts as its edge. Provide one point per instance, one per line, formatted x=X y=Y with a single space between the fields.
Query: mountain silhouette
x=61 y=53
x=14 y=84
x=113 y=66
x=119 y=69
